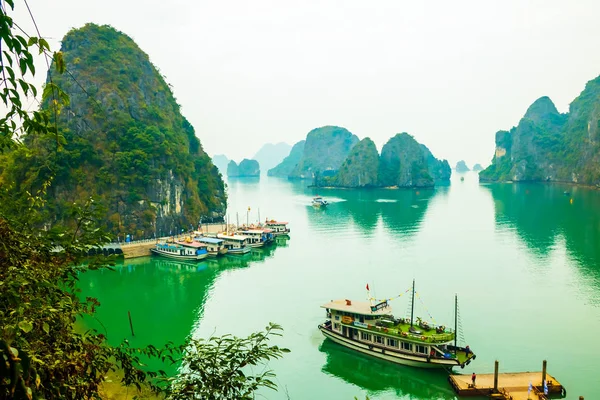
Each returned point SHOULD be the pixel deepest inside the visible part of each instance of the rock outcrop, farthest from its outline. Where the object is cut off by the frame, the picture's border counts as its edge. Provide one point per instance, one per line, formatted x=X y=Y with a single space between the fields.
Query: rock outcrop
x=461 y=166
x=220 y=161
x=271 y=155
x=477 y=167
x=360 y=168
x=285 y=168
x=325 y=150
x=549 y=146
x=247 y=168
x=404 y=164
x=126 y=143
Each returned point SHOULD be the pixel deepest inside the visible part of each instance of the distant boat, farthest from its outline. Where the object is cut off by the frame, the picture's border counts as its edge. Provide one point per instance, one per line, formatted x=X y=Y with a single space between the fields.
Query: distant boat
x=319 y=202
x=180 y=251
x=462 y=178
x=372 y=329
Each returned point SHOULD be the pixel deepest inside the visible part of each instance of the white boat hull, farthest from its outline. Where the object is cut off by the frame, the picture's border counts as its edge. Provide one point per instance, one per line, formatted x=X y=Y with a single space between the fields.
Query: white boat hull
x=241 y=250
x=180 y=257
x=258 y=244
x=386 y=354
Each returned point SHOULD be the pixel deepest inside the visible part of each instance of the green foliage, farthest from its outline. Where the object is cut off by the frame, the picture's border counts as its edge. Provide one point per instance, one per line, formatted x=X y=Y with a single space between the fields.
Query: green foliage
x=221 y=367
x=122 y=140
x=360 y=167
x=285 y=168
x=403 y=163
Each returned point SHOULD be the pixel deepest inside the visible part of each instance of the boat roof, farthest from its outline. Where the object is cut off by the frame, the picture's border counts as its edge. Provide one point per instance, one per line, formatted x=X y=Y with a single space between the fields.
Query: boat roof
x=210 y=240
x=276 y=223
x=253 y=231
x=232 y=237
x=358 y=307
x=195 y=245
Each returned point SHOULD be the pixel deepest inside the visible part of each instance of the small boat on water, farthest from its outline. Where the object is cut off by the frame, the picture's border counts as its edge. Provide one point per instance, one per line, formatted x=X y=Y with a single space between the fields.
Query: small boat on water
x=181 y=250
x=214 y=246
x=278 y=228
x=257 y=237
x=235 y=244
x=372 y=329
x=319 y=202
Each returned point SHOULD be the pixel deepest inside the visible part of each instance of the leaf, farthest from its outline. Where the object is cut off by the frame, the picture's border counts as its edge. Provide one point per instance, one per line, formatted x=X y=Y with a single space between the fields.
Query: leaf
x=26 y=326
x=46 y=327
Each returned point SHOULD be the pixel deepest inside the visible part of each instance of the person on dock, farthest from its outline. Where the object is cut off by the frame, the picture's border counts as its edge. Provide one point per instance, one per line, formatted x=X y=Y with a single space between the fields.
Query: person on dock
x=473 y=377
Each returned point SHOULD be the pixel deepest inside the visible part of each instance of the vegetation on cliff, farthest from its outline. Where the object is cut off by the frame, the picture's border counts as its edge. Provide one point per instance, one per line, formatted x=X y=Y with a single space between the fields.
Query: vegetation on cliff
x=285 y=168
x=123 y=141
x=359 y=169
x=325 y=150
x=271 y=155
x=461 y=166
x=246 y=168
x=549 y=146
x=439 y=169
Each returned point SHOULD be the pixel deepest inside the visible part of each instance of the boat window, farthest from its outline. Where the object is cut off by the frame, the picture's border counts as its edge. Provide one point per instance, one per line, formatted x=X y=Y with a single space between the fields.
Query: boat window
x=378 y=339
x=365 y=336
x=337 y=317
x=392 y=342
x=336 y=326
x=406 y=346
x=421 y=349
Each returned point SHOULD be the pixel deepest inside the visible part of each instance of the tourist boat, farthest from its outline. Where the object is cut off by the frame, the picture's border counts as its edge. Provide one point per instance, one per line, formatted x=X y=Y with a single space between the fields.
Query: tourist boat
x=319 y=202
x=277 y=227
x=257 y=237
x=372 y=329
x=214 y=246
x=181 y=251
x=235 y=244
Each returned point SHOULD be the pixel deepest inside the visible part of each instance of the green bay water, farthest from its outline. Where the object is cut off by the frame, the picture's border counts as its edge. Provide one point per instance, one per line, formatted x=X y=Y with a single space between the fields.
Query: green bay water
x=524 y=260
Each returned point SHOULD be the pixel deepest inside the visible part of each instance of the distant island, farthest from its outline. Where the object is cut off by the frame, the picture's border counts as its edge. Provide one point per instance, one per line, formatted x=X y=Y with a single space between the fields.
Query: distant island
x=247 y=168
x=271 y=155
x=549 y=146
x=461 y=166
x=221 y=161
x=477 y=167
x=332 y=156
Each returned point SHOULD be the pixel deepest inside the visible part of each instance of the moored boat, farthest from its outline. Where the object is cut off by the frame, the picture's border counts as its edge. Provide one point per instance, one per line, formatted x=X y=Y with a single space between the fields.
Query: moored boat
x=256 y=237
x=319 y=202
x=214 y=246
x=278 y=228
x=181 y=251
x=372 y=329
x=235 y=244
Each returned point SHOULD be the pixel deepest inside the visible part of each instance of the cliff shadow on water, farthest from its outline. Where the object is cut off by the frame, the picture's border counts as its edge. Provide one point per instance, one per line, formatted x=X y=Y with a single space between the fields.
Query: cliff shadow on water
x=376 y=376
x=541 y=214
x=401 y=210
x=150 y=288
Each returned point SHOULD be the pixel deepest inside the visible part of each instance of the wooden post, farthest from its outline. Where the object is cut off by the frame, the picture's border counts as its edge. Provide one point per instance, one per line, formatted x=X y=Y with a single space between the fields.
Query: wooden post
x=130 y=324
x=543 y=374
x=496 y=376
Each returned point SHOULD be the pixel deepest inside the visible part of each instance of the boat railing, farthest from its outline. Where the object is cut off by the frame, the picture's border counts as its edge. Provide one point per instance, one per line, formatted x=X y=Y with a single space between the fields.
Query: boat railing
x=423 y=337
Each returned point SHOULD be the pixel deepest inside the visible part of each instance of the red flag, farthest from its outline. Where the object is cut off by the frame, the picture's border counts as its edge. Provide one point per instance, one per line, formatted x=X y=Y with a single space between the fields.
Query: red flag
x=367 y=286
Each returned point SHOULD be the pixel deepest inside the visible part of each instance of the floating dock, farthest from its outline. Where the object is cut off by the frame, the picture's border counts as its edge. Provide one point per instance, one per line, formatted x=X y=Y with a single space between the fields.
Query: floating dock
x=508 y=386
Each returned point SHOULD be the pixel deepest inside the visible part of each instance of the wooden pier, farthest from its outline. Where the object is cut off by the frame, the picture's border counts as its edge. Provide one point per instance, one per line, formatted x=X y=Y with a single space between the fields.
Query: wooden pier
x=508 y=386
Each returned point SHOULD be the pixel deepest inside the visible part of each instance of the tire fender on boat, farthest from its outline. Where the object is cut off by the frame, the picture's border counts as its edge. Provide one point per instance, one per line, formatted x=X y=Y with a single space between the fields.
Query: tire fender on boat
x=370 y=347
x=422 y=337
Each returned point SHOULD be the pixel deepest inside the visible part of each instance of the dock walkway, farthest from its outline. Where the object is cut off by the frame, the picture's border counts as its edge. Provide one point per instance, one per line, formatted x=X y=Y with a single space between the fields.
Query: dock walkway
x=513 y=386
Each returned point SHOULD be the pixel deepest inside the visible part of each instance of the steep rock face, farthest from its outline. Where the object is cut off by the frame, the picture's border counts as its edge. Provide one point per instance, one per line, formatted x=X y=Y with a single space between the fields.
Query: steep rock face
x=247 y=168
x=403 y=163
x=126 y=143
x=271 y=155
x=325 y=150
x=439 y=170
x=477 y=167
x=233 y=169
x=220 y=161
x=360 y=167
x=285 y=168
x=461 y=166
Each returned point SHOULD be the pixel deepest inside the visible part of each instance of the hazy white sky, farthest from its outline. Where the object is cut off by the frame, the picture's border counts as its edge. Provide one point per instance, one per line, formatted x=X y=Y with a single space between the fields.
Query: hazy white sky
x=451 y=73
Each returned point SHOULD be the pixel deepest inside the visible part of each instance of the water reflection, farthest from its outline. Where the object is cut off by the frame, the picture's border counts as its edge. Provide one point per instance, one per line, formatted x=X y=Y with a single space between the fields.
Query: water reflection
x=541 y=213
x=375 y=376
x=400 y=210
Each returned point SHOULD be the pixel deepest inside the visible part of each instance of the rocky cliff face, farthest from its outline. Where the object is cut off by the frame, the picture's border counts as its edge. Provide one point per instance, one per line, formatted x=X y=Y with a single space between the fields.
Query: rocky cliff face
x=403 y=163
x=126 y=143
x=360 y=168
x=439 y=170
x=325 y=150
x=549 y=146
x=247 y=168
x=285 y=168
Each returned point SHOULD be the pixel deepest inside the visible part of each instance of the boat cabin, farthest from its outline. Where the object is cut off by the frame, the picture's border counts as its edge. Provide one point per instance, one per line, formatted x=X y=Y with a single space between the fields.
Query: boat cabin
x=255 y=237
x=277 y=227
x=214 y=246
x=235 y=243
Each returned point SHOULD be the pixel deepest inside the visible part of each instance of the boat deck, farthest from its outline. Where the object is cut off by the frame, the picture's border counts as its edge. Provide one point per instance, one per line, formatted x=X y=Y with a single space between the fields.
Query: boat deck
x=513 y=386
